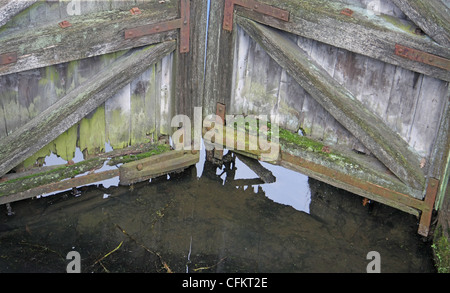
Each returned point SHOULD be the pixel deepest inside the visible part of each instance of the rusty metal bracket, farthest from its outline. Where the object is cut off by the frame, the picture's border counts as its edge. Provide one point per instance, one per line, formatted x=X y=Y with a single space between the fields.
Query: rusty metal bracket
x=347 y=12
x=427 y=211
x=254 y=6
x=64 y=24
x=423 y=57
x=182 y=23
x=8 y=58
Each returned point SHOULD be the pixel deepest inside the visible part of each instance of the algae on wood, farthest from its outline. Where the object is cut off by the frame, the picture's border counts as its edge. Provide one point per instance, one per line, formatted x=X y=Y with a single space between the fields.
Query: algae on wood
x=385 y=144
x=77 y=104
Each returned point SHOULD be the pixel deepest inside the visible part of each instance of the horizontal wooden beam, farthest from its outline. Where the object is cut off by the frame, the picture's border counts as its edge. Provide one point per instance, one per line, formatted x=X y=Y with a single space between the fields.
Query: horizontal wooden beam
x=44 y=180
x=87 y=36
x=376 y=136
x=155 y=166
x=432 y=16
x=60 y=186
x=9 y=8
x=65 y=113
x=359 y=30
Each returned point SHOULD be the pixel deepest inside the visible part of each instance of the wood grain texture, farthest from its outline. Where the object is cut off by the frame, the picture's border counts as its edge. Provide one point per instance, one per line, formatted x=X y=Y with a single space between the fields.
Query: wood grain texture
x=364 y=32
x=62 y=115
x=385 y=144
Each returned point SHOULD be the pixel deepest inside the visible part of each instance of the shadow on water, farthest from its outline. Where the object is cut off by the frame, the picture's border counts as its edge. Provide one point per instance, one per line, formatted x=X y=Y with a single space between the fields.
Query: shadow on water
x=211 y=220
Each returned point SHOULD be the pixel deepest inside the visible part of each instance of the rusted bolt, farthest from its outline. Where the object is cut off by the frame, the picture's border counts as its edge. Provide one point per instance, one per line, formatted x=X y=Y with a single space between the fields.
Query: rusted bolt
x=347 y=11
x=157 y=28
x=135 y=10
x=139 y=167
x=256 y=6
x=194 y=152
x=64 y=24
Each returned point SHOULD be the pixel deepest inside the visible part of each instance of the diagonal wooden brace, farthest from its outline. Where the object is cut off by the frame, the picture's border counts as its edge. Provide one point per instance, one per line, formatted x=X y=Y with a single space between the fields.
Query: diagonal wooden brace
x=182 y=23
x=253 y=5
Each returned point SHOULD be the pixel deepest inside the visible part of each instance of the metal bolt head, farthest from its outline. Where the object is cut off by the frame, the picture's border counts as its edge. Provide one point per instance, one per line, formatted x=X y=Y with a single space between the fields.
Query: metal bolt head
x=140 y=167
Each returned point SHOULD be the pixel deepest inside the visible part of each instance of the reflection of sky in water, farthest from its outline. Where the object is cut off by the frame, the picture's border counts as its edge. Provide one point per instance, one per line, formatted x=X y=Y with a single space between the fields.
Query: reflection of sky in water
x=291 y=188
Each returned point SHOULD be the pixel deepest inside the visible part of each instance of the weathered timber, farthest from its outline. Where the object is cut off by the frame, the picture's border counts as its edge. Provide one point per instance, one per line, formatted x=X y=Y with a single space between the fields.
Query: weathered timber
x=256 y=167
x=9 y=8
x=219 y=67
x=189 y=73
x=440 y=159
x=432 y=16
x=60 y=186
x=46 y=179
x=155 y=166
x=344 y=181
x=241 y=141
x=385 y=144
x=342 y=160
x=363 y=32
x=89 y=35
x=75 y=105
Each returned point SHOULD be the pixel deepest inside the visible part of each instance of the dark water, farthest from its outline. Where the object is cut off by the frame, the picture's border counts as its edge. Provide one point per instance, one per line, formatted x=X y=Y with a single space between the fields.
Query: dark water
x=206 y=221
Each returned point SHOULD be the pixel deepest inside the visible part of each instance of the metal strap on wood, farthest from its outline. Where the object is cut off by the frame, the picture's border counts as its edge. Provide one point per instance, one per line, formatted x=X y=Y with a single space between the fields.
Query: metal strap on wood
x=182 y=23
x=423 y=57
x=253 y=5
x=8 y=58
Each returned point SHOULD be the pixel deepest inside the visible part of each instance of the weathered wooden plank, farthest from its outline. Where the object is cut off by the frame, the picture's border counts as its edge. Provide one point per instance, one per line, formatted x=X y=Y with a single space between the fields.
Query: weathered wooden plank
x=440 y=157
x=155 y=166
x=432 y=16
x=190 y=67
x=402 y=104
x=66 y=143
x=76 y=104
x=364 y=32
x=9 y=8
x=89 y=35
x=142 y=110
x=166 y=94
x=427 y=114
x=93 y=133
x=218 y=68
x=8 y=102
x=117 y=115
x=46 y=179
x=385 y=144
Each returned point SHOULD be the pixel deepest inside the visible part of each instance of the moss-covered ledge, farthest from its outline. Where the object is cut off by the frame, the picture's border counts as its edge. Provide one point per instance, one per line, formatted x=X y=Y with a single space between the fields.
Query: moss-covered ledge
x=38 y=178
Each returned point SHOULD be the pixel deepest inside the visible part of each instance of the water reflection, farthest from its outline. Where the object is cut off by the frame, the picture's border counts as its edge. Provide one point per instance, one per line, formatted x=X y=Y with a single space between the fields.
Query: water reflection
x=210 y=220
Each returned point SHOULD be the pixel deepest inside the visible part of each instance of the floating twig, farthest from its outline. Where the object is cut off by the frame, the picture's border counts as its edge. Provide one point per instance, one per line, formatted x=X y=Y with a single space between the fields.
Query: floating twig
x=166 y=267
x=109 y=253
x=207 y=268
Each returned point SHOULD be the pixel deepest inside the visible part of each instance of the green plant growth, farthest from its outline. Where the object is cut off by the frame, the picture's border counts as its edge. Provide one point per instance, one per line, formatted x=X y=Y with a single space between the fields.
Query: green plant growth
x=441 y=249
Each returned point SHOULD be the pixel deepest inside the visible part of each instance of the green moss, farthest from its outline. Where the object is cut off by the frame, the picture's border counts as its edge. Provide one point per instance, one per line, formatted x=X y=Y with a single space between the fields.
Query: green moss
x=441 y=249
x=93 y=132
x=400 y=25
x=159 y=149
x=66 y=143
x=300 y=141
